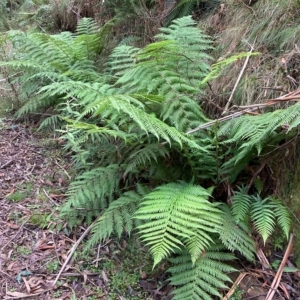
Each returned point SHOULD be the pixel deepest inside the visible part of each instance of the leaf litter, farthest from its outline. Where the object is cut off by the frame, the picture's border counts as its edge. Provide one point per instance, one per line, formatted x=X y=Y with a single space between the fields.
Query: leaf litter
x=35 y=243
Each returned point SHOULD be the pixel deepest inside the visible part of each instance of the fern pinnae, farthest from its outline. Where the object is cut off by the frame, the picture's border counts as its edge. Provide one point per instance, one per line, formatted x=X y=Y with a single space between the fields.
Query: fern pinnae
x=202 y=279
x=234 y=235
x=117 y=218
x=263 y=217
x=86 y=26
x=147 y=122
x=241 y=204
x=143 y=156
x=282 y=215
x=92 y=191
x=172 y=213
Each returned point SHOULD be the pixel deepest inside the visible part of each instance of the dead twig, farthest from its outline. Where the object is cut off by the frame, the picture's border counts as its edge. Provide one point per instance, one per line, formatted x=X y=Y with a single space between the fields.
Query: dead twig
x=238 y=80
x=73 y=250
x=255 y=175
x=277 y=278
x=235 y=285
x=7 y=164
x=50 y=198
x=2 y=272
x=293 y=96
x=63 y=170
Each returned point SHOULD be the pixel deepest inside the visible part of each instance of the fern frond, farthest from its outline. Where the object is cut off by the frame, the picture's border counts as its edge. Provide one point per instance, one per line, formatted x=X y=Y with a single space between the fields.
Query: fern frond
x=241 y=203
x=173 y=67
x=235 y=235
x=92 y=129
x=200 y=280
x=143 y=156
x=118 y=217
x=262 y=214
x=183 y=8
x=92 y=192
x=54 y=121
x=36 y=103
x=147 y=122
x=282 y=215
x=173 y=214
x=121 y=59
x=86 y=26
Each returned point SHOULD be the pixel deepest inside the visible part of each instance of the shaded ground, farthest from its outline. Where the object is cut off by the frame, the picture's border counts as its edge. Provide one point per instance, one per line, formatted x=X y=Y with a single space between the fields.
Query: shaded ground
x=34 y=243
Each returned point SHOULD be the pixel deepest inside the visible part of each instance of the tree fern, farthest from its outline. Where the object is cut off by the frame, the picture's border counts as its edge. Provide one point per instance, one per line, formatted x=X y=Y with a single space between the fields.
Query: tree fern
x=174 y=214
x=200 y=280
x=126 y=122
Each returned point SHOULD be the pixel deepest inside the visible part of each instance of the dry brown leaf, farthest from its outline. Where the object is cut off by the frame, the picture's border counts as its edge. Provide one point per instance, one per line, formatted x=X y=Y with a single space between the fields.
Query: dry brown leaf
x=105 y=279
x=12 y=225
x=27 y=285
x=16 y=294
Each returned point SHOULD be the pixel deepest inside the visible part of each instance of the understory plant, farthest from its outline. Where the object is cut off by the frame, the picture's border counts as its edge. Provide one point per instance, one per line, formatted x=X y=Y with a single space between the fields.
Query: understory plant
x=128 y=123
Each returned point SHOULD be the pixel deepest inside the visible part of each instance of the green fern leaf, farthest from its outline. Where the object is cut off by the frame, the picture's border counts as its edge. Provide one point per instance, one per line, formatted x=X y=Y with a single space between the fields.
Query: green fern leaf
x=262 y=214
x=200 y=280
x=173 y=214
x=118 y=217
x=282 y=215
x=241 y=204
x=143 y=156
x=235 y=235
x=147 y=122
x=91 y=192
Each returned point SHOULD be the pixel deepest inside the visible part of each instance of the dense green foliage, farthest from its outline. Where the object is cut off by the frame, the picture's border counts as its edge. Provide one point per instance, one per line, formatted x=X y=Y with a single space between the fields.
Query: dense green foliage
x=126 y=123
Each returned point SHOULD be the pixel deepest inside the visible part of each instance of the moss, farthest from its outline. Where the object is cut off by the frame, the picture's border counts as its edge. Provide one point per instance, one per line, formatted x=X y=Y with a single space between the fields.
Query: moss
x=18 y=196
x=40 y=220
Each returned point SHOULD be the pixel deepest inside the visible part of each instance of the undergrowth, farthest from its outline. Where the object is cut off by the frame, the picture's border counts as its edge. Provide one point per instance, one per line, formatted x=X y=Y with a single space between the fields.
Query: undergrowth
x=270 y=27
x=140 y=172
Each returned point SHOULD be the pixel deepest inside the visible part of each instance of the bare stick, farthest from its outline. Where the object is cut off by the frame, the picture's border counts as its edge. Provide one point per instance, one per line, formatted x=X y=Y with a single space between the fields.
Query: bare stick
x=63 y=170
x=276 y=280
x=248 y=109
x=73 y=250
x=49 y=198
x=238 y=80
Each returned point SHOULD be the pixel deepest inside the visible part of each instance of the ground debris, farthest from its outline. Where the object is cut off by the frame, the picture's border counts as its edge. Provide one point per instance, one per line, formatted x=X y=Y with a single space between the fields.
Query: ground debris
x=35 y=243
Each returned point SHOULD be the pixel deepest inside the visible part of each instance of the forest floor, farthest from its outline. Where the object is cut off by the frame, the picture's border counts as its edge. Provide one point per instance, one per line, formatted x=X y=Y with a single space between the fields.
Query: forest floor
x=35 y=243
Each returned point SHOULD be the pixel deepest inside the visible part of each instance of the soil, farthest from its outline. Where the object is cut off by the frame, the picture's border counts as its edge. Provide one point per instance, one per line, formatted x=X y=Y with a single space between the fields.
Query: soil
x=35 y=243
